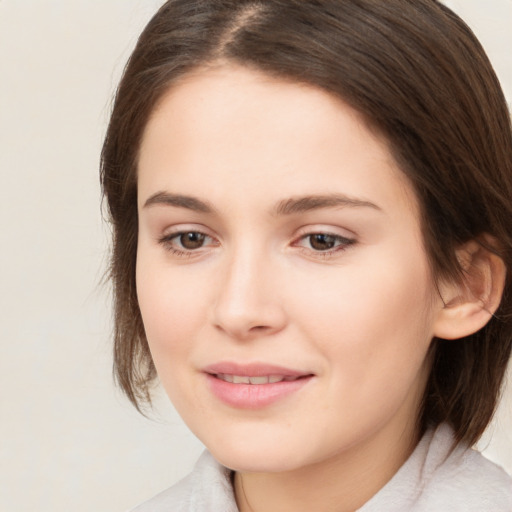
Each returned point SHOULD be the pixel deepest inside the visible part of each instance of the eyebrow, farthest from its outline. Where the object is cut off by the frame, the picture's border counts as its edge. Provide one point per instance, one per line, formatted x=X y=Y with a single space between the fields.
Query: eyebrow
x=290 y=206
x=307 y=203
x=180 y=201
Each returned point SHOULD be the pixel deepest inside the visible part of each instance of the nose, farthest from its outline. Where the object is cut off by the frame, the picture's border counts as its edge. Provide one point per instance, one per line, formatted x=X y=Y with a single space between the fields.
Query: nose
x=248 y=303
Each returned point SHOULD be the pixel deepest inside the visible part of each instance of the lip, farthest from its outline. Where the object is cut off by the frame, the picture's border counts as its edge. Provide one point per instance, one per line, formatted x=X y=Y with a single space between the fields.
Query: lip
x=254 y=396
x=252 y=369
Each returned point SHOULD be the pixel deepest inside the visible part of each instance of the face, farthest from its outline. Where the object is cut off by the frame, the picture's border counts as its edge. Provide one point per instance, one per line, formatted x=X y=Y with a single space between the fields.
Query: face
x=281 y=275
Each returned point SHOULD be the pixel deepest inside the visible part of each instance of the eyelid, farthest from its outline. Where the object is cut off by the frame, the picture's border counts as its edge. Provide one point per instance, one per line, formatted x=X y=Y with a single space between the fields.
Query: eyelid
x=324 y=229
x=166 y=239
x=186 y=228
x=346 y=240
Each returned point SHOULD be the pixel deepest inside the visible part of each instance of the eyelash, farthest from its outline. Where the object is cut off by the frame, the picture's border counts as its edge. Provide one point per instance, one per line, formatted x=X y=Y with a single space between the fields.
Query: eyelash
x=343 y=243
x=168 y=241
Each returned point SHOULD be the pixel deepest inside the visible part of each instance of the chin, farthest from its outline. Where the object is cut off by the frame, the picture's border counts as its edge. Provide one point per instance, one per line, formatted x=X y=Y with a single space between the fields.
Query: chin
x=255 y=461
x=252 y=453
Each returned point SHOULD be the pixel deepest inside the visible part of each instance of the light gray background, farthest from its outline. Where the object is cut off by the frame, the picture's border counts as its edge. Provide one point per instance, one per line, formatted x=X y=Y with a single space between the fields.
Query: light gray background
x=68 y=440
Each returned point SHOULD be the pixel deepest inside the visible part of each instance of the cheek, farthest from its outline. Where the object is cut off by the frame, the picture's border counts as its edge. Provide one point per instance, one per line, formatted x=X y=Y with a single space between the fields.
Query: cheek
x=171 y=310
x=170 y=306
x=372 y=320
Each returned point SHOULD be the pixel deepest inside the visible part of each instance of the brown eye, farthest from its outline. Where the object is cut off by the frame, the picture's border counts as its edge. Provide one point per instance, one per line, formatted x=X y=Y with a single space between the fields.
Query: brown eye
x=192 y=240
x=187 y=243
x=322 y=241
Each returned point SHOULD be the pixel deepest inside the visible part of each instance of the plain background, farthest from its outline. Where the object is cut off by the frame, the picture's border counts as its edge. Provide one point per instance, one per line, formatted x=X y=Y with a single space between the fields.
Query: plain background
x=68 y=440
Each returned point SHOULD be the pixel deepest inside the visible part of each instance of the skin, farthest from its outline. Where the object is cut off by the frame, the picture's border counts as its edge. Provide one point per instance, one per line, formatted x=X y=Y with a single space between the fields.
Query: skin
x=258 y=287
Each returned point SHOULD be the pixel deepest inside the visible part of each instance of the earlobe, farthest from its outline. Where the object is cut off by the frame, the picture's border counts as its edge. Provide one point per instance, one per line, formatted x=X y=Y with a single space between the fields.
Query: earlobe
x=470 y=303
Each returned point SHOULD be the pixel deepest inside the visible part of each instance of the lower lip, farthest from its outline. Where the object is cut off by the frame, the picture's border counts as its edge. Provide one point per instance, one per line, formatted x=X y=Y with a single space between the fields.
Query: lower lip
x=254 y=396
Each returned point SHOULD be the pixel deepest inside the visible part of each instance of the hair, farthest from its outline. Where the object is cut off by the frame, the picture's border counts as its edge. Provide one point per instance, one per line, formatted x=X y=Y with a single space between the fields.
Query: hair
x=418 y=75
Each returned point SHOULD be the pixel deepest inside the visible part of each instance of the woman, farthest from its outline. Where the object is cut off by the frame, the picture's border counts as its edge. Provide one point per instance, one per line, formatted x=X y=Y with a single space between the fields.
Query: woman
x=311 y=204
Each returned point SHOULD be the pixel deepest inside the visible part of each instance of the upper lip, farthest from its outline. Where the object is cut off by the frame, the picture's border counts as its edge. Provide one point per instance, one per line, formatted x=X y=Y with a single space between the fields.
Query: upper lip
x=252 y=369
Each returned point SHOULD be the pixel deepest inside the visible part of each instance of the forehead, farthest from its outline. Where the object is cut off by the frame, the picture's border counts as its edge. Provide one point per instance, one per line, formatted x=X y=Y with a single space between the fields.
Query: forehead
x=234 y=126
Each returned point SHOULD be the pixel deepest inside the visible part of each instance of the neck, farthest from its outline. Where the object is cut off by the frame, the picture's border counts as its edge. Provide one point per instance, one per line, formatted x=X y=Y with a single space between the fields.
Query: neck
x=342 y=483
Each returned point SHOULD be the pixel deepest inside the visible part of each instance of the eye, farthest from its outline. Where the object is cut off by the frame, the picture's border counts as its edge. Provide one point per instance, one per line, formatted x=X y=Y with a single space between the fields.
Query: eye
x=185 y=242
x=324 y=242
x=191 y=240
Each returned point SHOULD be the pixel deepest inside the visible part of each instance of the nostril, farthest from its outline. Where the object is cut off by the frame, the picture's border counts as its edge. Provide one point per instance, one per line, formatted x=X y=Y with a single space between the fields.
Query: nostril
x=259 y=328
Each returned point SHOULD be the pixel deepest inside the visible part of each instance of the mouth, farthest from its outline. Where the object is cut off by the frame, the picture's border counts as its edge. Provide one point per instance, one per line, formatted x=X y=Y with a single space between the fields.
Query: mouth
x=256 y=380
x=254 y=386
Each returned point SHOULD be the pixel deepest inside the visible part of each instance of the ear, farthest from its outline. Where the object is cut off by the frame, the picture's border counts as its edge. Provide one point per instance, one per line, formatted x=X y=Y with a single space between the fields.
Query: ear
x=470 y=304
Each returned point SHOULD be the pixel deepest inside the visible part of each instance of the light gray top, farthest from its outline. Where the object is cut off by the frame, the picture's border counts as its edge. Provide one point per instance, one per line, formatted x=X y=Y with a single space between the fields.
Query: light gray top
x=435 y=478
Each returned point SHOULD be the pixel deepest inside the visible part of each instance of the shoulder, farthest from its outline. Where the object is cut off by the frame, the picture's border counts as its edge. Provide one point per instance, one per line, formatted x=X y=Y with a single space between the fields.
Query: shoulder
x=173 y=498
x=207 y=487
x=440 y=476
x=462 y=479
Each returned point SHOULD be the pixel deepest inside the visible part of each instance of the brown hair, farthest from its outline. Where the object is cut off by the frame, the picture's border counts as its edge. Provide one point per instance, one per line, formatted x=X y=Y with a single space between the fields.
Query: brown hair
x=418 y=75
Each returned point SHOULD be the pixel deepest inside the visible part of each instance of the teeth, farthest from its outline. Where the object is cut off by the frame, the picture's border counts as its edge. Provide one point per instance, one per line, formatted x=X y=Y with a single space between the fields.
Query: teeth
x=238 y=379
x=243 y=379
x=258 y=380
